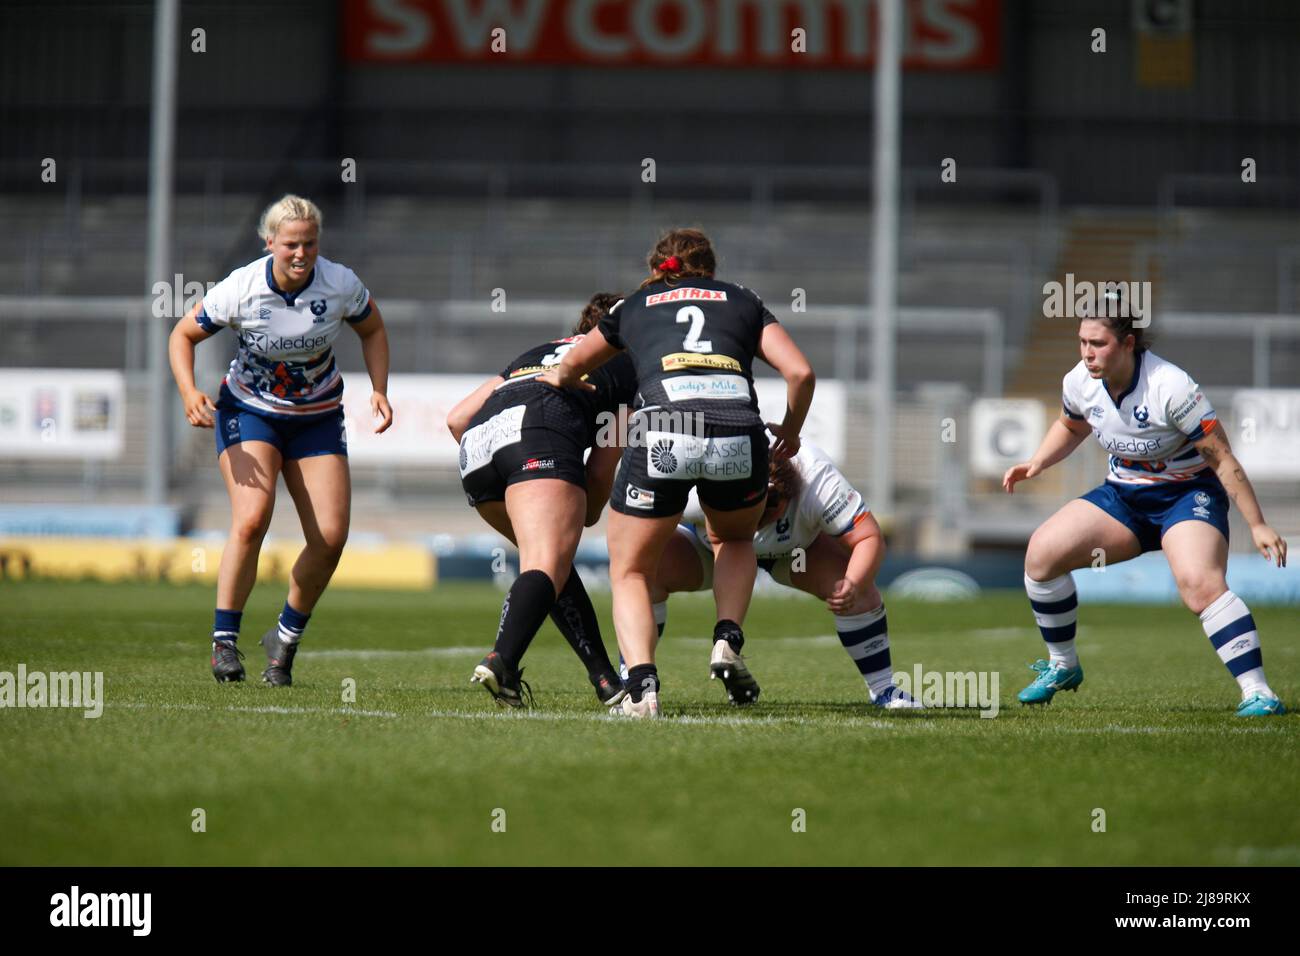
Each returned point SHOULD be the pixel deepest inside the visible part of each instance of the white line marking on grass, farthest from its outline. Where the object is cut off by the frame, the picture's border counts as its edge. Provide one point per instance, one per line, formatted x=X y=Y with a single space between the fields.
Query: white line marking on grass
x=682 y=719
x=1121 y=729
x=830 y=640
x=266 y=709
x=379 y=652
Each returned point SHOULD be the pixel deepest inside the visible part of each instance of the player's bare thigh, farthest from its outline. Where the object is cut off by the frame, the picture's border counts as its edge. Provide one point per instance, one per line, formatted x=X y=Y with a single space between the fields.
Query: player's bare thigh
x=822 y=565
x=738 y=525
x=495 y=514
x=679 y=568
x=1074 y=537
x=321 y=486
x=250 y=469
x=1198 y=556
x=546 y=515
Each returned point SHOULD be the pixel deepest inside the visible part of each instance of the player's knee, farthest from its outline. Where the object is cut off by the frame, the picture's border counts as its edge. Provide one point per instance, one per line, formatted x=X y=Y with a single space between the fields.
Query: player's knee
x=328 y=541
x=1038 y=567
x=250 y=529
x=868 y=599
x=1199 y=591
x=1040 y=561
x=331 y=541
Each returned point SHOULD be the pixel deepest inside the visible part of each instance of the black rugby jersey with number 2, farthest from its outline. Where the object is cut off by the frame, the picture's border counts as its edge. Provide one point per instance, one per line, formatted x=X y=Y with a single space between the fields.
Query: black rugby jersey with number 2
x=693 y=343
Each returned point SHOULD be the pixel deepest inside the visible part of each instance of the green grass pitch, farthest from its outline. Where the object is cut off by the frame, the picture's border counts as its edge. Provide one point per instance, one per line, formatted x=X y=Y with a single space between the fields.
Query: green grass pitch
x=417 y=769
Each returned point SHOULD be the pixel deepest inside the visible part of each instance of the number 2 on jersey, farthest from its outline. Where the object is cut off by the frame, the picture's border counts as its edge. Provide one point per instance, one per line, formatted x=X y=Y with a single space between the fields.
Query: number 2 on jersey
x=553 y=358
x=694 y=315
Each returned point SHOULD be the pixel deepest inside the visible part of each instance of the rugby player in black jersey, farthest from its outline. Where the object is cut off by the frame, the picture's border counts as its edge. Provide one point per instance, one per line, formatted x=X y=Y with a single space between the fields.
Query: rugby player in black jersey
x=521 y=465
x=693 y=339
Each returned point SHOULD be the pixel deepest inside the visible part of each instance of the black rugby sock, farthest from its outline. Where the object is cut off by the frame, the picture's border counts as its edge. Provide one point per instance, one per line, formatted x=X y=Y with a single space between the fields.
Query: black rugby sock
x=525 y=607
x=576 y=619
x=642 y=678
x=731 y=632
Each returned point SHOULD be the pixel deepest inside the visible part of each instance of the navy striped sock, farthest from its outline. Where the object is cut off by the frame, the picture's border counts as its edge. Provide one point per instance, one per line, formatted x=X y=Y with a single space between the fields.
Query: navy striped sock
x=225 y=625
x=1056 y=609
x=1231 y=629
x=292 y=624
x=866 y=639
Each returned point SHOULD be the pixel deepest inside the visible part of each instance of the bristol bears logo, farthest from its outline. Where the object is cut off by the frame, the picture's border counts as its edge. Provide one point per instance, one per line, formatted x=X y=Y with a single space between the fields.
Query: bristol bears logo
x=661 y=454
x=1201 y=511
x=783 y=528
x=317 y=307
x=1202 y=499
x=1141 y=414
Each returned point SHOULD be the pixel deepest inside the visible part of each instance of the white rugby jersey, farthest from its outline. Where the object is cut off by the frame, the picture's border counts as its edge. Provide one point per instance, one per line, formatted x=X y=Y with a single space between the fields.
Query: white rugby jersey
x=285 y=363
x=828 y=504
x=1148 y=429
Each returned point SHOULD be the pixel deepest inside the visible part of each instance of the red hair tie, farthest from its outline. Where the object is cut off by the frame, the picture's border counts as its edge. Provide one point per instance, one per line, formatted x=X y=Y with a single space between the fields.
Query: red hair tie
x=671 y=264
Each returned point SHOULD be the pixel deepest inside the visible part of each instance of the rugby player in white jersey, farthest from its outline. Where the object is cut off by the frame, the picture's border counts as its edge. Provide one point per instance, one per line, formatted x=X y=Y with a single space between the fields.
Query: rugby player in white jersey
x=280 y=412
x=817 y=535
x=1171 y=475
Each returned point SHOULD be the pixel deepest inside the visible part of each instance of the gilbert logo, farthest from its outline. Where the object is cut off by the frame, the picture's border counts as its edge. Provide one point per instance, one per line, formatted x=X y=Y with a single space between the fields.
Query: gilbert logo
x=103 y=909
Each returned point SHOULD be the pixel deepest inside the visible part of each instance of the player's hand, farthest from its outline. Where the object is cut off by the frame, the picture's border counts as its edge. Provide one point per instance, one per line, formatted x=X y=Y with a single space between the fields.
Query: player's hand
x=1020 y=472
x=198 y=409
x=842 y=596
x=787 y=441
x=1270 y=544
x=379 y=408
x=561 y=376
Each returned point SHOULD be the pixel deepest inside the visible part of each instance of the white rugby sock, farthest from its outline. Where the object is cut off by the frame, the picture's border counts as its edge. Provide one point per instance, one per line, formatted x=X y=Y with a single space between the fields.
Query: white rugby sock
x=1231 y=629
x=866 y=640
x=661 y=616
x=1056 y=609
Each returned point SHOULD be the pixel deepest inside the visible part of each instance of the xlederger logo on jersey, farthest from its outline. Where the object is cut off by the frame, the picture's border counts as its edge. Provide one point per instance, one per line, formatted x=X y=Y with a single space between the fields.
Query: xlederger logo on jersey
x=689 y=458
x=261 y=342
x=1133 y=446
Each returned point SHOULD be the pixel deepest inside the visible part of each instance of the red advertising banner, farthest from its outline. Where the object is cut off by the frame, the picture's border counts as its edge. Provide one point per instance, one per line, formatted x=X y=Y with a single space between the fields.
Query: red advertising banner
x=812 y=34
